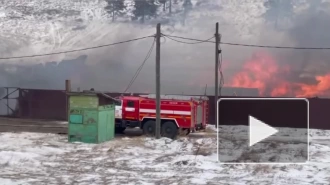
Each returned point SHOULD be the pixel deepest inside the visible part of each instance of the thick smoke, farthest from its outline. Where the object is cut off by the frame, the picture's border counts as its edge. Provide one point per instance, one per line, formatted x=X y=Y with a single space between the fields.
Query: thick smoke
x=184 y=68
x=309 y=28
x=302 y=25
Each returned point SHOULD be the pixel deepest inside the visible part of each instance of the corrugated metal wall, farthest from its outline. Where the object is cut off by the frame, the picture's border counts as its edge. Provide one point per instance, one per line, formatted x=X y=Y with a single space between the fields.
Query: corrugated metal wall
x=51 y=104
x=42 y=104
x=46 y=104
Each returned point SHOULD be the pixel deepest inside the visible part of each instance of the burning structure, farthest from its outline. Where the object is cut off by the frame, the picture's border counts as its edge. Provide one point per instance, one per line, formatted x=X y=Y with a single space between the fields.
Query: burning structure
x=271 y=78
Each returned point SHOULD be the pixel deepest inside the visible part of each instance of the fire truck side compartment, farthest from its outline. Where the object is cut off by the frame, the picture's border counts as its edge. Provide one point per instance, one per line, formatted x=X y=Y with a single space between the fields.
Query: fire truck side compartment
x=186 y=112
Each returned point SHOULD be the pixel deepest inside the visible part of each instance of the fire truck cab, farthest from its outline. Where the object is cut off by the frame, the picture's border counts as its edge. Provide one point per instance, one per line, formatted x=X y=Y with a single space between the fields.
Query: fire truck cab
x=126 y=114
x=179 y=114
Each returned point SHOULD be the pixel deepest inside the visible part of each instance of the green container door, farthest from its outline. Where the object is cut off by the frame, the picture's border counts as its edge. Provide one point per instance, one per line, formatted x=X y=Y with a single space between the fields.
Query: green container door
x=106 y=120
x=84 y=128
x=88 y=122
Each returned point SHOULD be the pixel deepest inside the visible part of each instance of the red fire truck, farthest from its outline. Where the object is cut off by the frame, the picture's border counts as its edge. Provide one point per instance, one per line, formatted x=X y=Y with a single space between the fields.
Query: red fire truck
x=179 y=114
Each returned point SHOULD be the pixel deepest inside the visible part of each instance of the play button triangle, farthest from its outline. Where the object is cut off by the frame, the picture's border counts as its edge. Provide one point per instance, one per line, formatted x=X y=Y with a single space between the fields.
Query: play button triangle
x=259 y=130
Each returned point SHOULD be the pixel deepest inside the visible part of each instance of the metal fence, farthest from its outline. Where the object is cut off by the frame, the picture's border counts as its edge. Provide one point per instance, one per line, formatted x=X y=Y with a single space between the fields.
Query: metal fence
x=52 y=105
x=8 y=101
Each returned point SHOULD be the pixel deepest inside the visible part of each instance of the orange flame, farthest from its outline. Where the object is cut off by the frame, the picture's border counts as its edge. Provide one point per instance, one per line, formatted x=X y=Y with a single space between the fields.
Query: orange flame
x=263 y=72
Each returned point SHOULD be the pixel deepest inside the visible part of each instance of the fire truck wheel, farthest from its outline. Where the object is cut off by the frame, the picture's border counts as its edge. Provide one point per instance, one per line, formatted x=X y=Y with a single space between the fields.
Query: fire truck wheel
x=149 y=128
x=169 y=129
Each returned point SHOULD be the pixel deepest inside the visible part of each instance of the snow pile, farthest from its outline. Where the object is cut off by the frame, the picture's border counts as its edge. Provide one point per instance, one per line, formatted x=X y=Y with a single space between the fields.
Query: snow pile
x=49 y=159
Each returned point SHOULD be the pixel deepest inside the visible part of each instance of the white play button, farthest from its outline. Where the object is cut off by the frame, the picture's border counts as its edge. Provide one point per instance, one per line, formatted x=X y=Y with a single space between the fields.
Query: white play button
x=259 y=130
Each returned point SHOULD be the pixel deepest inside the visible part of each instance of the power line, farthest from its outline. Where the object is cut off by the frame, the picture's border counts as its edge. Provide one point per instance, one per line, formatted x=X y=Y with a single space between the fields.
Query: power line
x=141 y=66
x=275 y=47
x=71 y=51
x=198 y=42
x=185 y=38
x=251 y=45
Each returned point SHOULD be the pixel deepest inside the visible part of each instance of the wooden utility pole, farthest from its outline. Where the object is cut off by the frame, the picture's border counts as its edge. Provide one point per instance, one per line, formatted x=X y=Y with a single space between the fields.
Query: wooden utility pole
x=158 y=35
x=216 y=80
x=170 y=7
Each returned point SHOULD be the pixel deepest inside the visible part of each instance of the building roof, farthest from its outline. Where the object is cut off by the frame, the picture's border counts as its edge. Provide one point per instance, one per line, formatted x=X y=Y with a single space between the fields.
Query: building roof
x=131 y=97
x=209 y=91
x=176 y=97
x=91 y=93
x=234 y=91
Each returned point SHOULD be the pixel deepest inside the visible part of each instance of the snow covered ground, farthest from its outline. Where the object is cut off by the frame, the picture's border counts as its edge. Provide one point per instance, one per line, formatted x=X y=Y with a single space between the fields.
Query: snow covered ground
x=30 y=158
x=289 y=145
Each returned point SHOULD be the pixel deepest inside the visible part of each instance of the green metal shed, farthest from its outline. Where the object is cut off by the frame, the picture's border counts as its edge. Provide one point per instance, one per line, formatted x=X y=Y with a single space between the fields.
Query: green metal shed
x=89 y=120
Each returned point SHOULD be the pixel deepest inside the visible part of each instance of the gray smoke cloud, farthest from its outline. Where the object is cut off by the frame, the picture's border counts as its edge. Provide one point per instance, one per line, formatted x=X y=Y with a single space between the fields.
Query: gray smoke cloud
x=309 y=28
x=184 y=68
x=312 y=30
